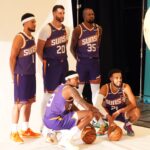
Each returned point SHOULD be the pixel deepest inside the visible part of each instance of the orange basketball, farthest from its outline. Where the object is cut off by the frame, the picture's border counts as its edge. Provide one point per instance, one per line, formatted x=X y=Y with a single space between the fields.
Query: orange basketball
x=88 y=134
x=114 y=133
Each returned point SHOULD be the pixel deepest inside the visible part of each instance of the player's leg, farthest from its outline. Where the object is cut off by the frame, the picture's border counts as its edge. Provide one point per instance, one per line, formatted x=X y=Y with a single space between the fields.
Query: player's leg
x=27 y=95
x=56 y=71
x=134 y=114
x=127 y=124
x=131 y=117
x=83 y=75
x=14 y=136
x=94 y=77
x=75 y=122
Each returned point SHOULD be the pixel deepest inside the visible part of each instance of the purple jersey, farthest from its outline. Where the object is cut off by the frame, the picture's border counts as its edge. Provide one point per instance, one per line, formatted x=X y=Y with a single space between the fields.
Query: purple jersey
x=115 y=101
x=55 y=46
x=57 y=105
x=88 y=43
x=25 y=63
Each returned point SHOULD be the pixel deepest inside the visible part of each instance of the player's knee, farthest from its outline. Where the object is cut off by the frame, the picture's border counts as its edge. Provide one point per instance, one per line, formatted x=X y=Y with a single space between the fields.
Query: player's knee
x=134 y=115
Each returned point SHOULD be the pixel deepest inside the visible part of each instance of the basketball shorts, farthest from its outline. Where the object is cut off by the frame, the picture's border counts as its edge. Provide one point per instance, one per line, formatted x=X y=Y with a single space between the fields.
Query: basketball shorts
x=54 y=72
x=60 y=122
x=24 y=88
x=88 y=69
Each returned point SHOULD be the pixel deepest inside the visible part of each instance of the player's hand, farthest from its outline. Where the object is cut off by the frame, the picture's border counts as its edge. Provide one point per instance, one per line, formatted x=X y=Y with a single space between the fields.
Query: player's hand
x=110 y=119
x=98 y=115
x=115 y=114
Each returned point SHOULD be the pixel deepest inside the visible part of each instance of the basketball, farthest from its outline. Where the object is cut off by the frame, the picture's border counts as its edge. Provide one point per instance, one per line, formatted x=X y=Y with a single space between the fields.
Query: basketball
x=114 y=133
x=88 y=134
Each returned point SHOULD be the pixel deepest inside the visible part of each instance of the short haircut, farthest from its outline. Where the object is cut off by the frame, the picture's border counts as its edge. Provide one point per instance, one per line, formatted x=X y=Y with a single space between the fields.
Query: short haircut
x=84 y=10
x=112 y=71
x=56 y=7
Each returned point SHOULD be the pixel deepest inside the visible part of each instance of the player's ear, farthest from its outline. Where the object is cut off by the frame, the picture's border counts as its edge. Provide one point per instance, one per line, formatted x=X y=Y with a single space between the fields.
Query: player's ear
x=111 y=78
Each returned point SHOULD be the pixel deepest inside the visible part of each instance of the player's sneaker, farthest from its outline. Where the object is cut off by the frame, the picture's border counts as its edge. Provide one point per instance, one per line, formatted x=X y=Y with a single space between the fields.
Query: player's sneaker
x=129 y=130
x=52 y=138
x=16 y=138
x=96 y=124
x=102 y=129
x=67 y=145
x=29 y=133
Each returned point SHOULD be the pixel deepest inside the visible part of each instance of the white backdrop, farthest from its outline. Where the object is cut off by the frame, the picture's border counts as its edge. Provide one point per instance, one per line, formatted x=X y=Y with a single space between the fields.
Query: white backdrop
x=10 y=15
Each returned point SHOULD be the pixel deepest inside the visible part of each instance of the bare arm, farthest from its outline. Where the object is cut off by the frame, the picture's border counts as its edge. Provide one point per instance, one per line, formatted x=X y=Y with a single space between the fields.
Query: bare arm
x=69 y=91
x=16 y=46
x=100 y=34
x=74 y=41
x=131 y=98
x=40 y=48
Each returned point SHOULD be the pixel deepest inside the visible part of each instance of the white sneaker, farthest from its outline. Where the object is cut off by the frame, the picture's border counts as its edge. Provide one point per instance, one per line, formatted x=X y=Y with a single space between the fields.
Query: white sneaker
x=67 y=145
x=52 y=138
x=45 y=131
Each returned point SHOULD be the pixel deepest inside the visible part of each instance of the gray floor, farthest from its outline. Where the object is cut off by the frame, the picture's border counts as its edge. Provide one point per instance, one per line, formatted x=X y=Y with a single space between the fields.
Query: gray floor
x=144 y=120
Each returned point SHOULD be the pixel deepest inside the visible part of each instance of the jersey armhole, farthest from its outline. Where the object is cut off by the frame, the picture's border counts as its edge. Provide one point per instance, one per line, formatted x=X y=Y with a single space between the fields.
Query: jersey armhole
x=81 y=31
x=23 y=40
x=107 y=90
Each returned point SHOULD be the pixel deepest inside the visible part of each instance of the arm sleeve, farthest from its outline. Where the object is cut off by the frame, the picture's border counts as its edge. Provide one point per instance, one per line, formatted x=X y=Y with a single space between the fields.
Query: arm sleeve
x=68 y=32
x=98 y=103
x=45 y=33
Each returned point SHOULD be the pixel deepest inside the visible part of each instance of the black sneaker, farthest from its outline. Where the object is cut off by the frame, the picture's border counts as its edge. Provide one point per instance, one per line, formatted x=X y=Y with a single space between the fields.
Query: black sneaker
x=129 y=130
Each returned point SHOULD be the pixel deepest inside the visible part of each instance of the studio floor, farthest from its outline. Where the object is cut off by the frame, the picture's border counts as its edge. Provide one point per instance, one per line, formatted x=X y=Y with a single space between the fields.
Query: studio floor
x=141 y=140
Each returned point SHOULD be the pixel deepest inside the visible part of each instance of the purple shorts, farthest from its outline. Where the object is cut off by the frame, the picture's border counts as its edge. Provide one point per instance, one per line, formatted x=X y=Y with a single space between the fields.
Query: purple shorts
x=88 y=69
x=54 y=72
x=60 y=122
x=24 y=88
x=120 y=117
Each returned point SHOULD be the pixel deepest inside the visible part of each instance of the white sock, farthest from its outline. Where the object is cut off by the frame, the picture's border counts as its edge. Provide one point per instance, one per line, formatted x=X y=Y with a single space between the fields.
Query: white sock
x=24 y=126
x=68 y=134
x=94 y=89
x=127 y=120
x=80 y=89
x=14 y=127
x=45 y=99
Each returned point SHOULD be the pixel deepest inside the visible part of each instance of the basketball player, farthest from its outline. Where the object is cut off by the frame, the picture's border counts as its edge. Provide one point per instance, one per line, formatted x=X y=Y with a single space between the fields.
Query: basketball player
x=22 y=65
x=51 y=49
x=85 y=44
x=61 y=112
x=119 y=101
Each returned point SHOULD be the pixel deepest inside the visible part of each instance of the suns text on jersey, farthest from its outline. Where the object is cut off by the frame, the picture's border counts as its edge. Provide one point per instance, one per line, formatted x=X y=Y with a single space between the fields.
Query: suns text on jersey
x=29 y=51
x=114 y=102
x=59 y=40
x=90 y=39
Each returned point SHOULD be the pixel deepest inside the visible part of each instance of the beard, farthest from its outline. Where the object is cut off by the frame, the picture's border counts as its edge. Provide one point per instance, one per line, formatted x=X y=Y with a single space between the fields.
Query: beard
x=31 y=30
x=91 y=21
x=117 y=86
x=59 y=19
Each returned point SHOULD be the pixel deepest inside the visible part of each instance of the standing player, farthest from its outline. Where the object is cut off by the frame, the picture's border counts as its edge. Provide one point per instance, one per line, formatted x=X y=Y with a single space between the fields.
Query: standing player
x=62 y=114
x=22 y=65
x=51 y=49
x=85 y=43
x=119 y=101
